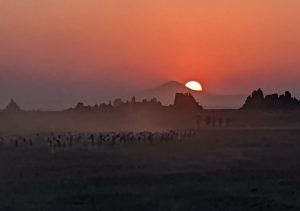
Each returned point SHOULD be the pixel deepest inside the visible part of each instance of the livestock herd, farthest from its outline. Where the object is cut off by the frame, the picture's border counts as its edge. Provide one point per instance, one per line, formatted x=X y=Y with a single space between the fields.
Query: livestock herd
x=62 y=140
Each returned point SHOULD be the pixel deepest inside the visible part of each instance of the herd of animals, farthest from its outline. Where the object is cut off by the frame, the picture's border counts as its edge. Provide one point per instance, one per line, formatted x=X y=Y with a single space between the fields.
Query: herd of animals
x=213 y=121
x=63 y=140
x=68 y=140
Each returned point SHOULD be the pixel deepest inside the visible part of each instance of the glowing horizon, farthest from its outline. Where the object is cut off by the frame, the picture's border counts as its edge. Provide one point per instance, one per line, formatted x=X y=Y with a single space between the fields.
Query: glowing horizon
x=85 y=49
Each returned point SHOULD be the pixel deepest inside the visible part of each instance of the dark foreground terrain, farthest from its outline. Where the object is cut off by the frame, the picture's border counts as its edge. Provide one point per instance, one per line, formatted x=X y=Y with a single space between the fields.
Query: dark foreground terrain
x=220 y=169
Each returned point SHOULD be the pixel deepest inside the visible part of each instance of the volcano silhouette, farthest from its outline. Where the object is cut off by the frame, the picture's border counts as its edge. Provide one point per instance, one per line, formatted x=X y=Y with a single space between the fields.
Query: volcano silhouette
x=166 y=92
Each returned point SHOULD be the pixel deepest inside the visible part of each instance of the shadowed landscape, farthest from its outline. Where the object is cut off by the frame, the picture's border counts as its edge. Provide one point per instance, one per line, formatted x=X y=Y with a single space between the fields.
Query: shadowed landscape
x=234 y=169
x=244 y=159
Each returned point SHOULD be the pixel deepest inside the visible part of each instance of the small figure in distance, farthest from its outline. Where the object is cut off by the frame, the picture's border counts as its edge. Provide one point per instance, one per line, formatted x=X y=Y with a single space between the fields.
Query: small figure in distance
x=220 y=121
x=198 y=122
x=207 y=121
x=227 y=122
x=214 y=120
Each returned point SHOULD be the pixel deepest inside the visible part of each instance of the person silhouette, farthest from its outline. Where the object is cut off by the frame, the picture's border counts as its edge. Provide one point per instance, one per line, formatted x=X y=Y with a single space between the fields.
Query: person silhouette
x=208 y=121
x=220 y=121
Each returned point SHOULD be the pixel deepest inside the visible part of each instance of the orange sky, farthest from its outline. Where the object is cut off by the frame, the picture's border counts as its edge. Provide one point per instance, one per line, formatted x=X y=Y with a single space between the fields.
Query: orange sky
x=231 y=46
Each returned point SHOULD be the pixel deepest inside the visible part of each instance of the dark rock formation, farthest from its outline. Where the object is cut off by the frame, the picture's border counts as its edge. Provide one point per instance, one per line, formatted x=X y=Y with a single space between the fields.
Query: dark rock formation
x=12 y=107
x=186 y=101
x=257 y=100
x=182 y=102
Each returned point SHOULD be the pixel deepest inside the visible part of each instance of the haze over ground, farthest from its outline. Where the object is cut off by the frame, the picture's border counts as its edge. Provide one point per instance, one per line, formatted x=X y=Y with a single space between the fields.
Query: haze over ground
x=54 y=53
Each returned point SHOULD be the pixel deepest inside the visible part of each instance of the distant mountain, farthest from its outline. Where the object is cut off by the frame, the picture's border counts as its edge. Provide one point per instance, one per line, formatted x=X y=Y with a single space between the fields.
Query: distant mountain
x=166 y=94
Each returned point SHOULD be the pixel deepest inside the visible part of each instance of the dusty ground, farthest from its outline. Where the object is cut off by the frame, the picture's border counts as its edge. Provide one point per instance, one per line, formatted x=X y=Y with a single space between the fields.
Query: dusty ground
x=230 y=169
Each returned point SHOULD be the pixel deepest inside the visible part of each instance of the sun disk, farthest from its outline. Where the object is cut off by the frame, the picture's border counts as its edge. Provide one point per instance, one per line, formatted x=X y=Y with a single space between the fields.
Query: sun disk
x=194 y=85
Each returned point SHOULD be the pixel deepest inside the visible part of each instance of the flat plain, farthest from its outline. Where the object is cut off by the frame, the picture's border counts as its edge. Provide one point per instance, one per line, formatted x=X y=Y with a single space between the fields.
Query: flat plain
x=218 y=169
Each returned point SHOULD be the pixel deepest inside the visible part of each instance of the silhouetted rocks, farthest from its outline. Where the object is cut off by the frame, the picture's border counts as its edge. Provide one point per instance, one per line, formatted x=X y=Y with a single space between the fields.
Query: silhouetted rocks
x=257 y=100
x=12 y=107
x=186 y=101
x=119 y=104
x=81 y=107
x=182 y=102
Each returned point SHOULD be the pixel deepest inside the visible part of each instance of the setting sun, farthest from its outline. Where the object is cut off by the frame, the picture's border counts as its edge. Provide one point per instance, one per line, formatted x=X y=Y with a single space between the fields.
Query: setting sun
x=194 y=85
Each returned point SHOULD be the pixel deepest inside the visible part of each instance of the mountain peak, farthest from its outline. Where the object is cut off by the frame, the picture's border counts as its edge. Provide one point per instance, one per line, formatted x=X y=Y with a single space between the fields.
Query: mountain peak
x=166 y=92
x=171 y=84
x=12 y=106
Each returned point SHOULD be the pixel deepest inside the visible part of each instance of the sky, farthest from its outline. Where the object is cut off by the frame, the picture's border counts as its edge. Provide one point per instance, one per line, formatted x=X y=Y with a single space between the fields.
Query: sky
x=57 y=52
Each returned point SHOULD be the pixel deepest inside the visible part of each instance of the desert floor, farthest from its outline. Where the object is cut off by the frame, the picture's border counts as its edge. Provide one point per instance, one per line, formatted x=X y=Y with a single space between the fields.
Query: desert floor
x=220 y=169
